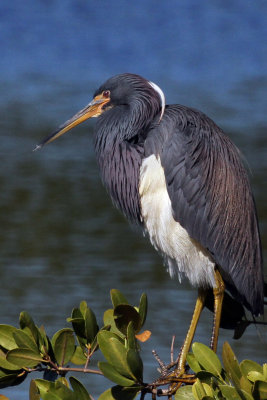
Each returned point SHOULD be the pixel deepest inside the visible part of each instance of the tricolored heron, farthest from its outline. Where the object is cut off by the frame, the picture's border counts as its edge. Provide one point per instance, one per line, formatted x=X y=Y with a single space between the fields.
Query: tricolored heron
x=172 y=170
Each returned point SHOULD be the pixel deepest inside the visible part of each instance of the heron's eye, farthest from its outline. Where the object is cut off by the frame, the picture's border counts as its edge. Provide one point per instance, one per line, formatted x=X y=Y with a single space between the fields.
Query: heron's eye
x=106 y=94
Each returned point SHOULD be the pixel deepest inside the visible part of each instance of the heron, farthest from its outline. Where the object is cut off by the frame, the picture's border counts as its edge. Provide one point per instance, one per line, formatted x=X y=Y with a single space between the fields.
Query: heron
x=171 y=170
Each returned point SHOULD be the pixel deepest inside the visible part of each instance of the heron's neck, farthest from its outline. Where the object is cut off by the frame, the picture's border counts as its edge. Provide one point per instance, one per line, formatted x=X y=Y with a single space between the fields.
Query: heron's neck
x=119 y=162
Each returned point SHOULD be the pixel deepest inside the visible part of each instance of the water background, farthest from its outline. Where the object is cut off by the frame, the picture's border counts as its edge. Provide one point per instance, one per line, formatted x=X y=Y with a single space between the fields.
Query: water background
x=61 y=240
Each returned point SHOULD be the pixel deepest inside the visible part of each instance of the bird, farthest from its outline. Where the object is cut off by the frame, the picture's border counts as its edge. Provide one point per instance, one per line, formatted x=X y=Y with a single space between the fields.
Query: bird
x=171 y=170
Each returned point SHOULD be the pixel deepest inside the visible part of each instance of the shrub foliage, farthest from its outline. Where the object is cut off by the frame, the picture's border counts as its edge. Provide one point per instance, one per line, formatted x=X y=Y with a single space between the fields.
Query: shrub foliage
x=28 y=349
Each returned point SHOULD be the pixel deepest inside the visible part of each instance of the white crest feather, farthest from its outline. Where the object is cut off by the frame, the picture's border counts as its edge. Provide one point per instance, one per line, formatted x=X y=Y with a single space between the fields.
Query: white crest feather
x=161 y=95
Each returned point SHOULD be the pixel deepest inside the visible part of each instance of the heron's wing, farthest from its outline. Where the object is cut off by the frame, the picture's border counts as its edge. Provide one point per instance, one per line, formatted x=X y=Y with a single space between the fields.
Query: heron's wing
x=211 y=197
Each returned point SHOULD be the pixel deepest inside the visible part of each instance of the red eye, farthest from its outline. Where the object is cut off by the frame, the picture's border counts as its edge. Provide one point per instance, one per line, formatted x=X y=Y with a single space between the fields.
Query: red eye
x=106 y=94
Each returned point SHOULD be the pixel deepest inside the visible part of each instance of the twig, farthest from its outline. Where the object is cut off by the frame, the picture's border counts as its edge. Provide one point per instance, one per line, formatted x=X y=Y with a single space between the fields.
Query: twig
x=86 y=371
x=172 y=346
x=87 y=358
x=55 y=368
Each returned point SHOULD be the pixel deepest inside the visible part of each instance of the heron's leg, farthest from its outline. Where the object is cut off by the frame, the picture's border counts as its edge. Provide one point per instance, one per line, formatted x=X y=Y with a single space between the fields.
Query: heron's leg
x=191 y=331
x=179 y=375
x=218 y=293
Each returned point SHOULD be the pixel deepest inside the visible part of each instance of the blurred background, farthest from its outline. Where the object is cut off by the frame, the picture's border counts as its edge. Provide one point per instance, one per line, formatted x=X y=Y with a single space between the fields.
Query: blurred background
x=61 y=240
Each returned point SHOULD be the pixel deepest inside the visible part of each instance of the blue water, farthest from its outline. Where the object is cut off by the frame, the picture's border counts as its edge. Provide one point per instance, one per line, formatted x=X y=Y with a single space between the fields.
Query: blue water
x=53 y=45
x=61 y=240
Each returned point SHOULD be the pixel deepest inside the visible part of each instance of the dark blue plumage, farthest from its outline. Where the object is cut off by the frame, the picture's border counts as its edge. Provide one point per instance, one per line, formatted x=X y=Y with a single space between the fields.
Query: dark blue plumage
x=206 y=181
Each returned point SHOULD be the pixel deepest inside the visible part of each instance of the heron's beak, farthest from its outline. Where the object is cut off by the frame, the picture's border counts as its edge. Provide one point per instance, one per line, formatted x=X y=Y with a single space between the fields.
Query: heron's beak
x=93 y=109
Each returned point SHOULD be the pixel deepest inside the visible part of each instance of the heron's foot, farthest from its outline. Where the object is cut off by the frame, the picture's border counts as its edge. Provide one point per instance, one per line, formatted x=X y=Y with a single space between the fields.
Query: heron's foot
x=172 y=375
x=173 y=380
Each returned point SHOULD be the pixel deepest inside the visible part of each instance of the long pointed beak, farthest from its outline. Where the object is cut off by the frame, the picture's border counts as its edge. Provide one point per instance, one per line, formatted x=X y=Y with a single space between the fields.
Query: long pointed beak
x=93 y=109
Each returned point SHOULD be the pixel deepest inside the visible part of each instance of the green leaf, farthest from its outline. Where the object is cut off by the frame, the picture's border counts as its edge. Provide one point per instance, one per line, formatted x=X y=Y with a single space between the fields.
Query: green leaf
x=7 y=379
x=78 y=357
x=193 y=363
x=131 y=340
x=123 y=315
x=119 y=393
x=94 y=344
x=135 y=363
x=207 y=377
x=64 y=381
x=44 y=344
x=207 y=358
x=79 y=390
x=230 y=392
x=63 y=343
x=7 y=340
x=202 y=391
x=78 y=325
x=254 y=376
x=260 y=390
x=245 y=395
x=114 y=352
x=184 y=393
x=108 y=320
x=25 y=341
x=113 y=375
x=108 y=317
x=54 y=390
x=72 y=319
x=84 y=324
x=109 y=334
x=42 y=385
x=34 y=393
x=5 y=364
x=83 y=307
x=143 y=308
x=91 y=327
x=26 y=321
x=231 y=365
x=208 y=390
x=107 y=395
x=8 y=366
x=198 y=390
x=51 y=396
x=247 y=366
x=117 y=298
x=24 y=358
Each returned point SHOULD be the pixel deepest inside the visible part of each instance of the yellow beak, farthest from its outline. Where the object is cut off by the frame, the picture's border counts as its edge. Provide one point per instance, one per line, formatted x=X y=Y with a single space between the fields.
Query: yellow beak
x=93 y=109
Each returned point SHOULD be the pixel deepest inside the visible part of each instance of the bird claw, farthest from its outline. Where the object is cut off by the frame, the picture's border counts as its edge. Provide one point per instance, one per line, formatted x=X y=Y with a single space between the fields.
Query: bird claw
x=174 y=379
x=173 y=376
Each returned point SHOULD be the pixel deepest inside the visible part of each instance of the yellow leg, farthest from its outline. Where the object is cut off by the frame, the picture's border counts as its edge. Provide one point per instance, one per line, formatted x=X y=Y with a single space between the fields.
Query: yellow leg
x=191 y=331
x=179 y=375
x=218 y=293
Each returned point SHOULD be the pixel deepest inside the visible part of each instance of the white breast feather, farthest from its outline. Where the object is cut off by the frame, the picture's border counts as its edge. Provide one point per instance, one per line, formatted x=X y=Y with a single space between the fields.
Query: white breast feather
x=183 y=255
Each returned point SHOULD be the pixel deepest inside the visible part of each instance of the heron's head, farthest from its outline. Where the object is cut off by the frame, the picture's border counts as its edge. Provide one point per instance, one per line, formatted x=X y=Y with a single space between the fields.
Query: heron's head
x=133 y=97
